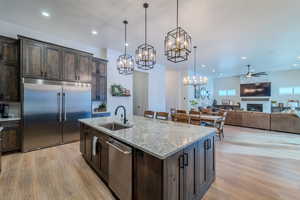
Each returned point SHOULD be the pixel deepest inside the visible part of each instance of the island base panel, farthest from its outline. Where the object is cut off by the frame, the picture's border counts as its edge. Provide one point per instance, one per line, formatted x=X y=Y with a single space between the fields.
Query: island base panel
x=186 y=175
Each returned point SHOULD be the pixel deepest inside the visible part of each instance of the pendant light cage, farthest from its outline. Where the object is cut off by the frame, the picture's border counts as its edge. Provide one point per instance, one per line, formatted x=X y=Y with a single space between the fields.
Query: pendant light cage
x=125 y=62
x=145 y=55
x=177 y=44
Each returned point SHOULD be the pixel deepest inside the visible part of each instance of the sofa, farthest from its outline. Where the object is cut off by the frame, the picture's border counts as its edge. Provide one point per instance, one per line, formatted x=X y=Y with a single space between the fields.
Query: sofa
x=248 y=119
x=285 y=122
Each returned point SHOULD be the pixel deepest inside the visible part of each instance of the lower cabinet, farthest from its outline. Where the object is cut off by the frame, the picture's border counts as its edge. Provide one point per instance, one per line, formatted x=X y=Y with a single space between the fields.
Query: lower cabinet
x=10 y=136
x=189 y=173
x=185 y=175
x=95 y=150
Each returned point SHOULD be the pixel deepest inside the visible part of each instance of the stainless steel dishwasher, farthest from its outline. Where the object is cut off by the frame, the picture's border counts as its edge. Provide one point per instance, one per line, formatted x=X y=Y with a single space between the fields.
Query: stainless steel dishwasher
x=120 y=169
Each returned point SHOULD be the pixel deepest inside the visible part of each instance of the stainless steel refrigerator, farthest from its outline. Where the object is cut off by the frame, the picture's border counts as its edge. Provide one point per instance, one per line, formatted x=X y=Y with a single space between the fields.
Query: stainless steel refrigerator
x=51 y=111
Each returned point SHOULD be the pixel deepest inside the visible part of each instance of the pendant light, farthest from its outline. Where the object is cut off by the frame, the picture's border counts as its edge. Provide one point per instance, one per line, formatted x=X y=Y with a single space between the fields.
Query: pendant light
x=145 y=55
x=195 y=80
x=125 y=62
x=177 y=43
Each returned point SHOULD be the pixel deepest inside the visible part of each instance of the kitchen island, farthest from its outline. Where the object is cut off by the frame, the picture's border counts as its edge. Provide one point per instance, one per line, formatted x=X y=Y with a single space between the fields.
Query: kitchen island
x=162 y=160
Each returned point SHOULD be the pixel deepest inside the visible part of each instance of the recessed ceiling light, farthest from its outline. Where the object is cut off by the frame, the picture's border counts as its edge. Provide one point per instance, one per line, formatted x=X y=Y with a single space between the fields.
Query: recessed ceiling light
x=94 y=32
x=213 y=70
x=295 y=65
x=243 y=58
x=45 y=14
x=203 y=65
x=298 y=57
x=126 y=44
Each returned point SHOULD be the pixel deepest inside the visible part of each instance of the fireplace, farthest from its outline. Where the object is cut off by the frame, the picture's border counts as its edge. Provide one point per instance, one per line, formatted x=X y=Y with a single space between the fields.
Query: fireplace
x=255 y=107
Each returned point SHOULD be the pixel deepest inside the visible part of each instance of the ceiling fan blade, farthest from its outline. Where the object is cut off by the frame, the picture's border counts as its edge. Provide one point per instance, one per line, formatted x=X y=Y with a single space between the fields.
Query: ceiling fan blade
x=256 y=75
x=260 y=73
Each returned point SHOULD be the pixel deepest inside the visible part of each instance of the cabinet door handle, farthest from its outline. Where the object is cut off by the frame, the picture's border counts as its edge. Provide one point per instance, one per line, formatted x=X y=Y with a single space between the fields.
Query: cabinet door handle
x=181 y=164
x=45 y=74
x=79 y=78
x=42 y=74
x=186 y=159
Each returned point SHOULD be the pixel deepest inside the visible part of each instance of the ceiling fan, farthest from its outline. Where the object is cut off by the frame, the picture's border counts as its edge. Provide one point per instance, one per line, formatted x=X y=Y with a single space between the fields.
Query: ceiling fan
x=250 y=74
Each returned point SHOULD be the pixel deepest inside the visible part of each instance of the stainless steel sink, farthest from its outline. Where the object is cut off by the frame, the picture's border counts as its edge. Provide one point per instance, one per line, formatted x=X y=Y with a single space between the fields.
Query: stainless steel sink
x=114 y=126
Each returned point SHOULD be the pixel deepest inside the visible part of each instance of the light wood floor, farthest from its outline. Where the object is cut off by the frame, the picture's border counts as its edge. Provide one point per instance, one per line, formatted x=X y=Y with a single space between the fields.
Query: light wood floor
x=251 y=165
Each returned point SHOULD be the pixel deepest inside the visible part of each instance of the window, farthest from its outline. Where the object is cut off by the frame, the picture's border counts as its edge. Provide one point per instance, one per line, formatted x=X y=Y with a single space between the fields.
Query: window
x=296 y=90
x=222 y=92
x=286 y=91
x=230 y=92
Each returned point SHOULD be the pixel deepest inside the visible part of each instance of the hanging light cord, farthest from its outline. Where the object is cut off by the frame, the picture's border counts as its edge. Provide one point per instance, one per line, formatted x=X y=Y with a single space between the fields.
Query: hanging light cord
x=195 y=60
x=125 y=22
x=145 y=6
x=177 y=15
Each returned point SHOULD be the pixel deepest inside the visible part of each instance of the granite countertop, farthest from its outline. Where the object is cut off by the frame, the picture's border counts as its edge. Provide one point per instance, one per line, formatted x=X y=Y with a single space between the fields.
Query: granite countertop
x=156 y=137
x=10 y=119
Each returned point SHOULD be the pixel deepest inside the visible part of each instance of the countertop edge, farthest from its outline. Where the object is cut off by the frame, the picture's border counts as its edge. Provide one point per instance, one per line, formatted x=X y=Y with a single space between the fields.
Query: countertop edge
x=145 y=150
x=10 y=119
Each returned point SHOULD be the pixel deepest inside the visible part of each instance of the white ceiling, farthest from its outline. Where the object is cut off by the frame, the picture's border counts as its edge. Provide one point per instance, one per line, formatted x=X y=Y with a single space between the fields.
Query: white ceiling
x=267 y=32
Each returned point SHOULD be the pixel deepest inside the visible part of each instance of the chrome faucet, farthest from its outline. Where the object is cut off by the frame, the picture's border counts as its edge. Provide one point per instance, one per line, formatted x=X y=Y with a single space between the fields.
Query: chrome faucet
x=124 y=110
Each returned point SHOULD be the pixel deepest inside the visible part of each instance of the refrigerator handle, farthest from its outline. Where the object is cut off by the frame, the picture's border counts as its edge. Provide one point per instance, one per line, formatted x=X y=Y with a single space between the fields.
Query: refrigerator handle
x=59 y=106
x=64 y=106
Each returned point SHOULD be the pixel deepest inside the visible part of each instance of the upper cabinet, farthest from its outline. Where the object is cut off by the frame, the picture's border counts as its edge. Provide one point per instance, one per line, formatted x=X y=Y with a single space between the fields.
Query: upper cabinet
x=84 y=68
x=9 y=67
x=9 y=53
x=52 y=62
x=69 y=65
x=32 y=59
x=99 y=80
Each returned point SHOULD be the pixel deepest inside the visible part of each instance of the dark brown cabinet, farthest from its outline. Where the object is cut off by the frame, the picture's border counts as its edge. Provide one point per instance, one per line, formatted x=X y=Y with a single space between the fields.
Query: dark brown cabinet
x=84 y=68
x=99 y=80
x=10 y=136
x=77 y=66
x=9 y=67
x=205 y=165
x=32 y=59
x=95 y=152
x=52 y=62
x=185 y=175
x=190 y=172
x=190 y=157
x=9 y=83
x=9 y=51
x=69 y=65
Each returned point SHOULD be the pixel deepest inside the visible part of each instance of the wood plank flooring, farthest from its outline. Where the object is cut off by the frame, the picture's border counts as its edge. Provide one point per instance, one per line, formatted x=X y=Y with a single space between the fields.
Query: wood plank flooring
x=251 y=165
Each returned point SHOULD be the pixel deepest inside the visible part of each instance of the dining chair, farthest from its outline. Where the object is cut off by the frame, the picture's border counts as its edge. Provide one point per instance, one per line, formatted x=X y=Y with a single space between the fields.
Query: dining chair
x=195 y=117
x=220 y=126
x=206 y=111
x=181 y=111
x=149 y=114
x=180 y=117
x=194 y=112
x=162 y=115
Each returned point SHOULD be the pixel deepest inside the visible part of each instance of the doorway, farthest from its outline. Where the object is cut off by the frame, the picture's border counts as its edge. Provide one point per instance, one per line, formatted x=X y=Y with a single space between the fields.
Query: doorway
x=140 y=92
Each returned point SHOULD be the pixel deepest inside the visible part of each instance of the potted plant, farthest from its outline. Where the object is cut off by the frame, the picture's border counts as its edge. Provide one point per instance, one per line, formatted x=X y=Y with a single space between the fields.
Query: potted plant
x=102 y=107
x=194 y=104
